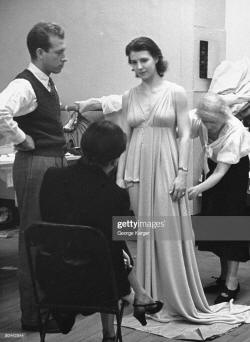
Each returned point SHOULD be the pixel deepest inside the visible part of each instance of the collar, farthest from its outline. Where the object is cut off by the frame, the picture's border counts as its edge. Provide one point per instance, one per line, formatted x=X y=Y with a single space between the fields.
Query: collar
x=82 y=162
x=96 y=170
x=39 y=74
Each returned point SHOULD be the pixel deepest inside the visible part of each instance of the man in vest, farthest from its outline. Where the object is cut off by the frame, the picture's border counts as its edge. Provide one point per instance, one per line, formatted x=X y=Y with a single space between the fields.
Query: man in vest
x=30 y=118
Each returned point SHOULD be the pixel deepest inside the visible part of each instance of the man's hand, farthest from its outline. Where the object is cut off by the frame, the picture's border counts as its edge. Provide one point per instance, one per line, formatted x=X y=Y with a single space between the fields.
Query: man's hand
x=27 y=145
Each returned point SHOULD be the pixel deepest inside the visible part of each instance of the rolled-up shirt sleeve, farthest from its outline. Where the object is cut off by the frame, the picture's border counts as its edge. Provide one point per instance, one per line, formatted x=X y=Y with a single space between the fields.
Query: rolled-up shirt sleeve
x=236 y=146
x=17 y=99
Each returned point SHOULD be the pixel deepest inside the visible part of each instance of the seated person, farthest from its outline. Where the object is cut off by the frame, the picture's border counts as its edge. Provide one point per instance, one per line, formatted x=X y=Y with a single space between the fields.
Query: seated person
x=84 y=194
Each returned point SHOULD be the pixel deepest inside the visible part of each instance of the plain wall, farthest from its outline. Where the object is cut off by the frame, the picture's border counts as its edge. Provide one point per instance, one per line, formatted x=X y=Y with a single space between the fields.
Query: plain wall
x=209 y=25
x=97 y=32
x=238 y=29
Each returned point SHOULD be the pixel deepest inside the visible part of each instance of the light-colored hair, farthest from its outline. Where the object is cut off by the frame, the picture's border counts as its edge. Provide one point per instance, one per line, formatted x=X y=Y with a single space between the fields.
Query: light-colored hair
x=212 y=107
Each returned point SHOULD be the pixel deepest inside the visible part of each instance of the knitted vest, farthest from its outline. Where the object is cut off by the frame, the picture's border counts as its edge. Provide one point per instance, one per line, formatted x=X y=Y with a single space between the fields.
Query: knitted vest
x=43 y=124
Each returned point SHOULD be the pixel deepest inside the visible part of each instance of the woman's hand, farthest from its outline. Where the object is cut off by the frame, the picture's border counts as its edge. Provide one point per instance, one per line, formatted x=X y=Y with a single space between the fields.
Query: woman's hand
x=127 y=261
x=194 y=192
x=178 y=189
x=81 y=106
x=93 y=104
x=121 y=183
x=219 y=172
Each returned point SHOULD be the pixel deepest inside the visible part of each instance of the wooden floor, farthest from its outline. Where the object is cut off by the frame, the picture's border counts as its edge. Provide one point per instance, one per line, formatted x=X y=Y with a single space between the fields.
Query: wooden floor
x=88 y=329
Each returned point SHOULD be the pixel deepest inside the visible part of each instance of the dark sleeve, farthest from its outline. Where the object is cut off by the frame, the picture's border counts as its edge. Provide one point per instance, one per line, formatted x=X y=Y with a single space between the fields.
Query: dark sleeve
x=126 y=211
x=50 y=197
x=125 y=204
x=123 y=210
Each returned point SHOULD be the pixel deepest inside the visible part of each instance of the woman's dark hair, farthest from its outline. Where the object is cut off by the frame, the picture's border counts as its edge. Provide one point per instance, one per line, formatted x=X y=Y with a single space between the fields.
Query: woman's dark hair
x=38 y=37
x=102 y=142
x=147 y=44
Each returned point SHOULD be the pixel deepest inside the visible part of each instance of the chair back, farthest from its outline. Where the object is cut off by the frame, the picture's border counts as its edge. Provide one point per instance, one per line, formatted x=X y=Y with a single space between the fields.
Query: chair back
x=71 y=267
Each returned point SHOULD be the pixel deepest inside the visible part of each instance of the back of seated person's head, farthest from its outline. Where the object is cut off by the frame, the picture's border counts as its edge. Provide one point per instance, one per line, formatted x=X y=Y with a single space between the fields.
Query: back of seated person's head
x=103 y=142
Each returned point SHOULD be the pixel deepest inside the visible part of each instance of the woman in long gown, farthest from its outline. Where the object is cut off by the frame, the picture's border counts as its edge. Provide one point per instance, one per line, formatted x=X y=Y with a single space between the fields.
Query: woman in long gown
x=154 y=169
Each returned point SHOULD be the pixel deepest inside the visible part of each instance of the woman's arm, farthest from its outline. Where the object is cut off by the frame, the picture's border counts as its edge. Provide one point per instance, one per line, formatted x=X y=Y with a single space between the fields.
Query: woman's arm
x=69 y=108
x=219 y=172
x=93 y=104
x=90 y=109
x=107 y=104
x=100 y=106
x=184 y=134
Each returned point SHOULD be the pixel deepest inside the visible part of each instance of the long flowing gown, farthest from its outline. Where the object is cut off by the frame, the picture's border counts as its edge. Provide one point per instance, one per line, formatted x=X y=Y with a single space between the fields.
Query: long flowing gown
x=166 y=262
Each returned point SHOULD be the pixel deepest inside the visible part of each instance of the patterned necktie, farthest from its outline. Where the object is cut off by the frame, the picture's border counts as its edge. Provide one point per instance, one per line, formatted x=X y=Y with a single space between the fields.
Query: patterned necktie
x=53 y=91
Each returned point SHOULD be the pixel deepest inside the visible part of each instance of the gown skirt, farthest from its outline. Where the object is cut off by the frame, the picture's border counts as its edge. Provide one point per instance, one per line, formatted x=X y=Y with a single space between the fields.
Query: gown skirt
x=166 y=262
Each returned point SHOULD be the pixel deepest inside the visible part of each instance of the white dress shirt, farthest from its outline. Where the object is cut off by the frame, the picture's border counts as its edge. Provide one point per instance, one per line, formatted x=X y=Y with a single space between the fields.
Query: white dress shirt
x=17 y=99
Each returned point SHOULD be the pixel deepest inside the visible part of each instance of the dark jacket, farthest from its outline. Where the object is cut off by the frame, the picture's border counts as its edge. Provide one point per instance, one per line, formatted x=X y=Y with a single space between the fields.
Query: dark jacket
x=85 y=195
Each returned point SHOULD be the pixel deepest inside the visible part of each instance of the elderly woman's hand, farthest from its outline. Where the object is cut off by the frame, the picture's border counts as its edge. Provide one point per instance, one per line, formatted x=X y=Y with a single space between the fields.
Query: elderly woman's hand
x=194 y=192
x=178 y=189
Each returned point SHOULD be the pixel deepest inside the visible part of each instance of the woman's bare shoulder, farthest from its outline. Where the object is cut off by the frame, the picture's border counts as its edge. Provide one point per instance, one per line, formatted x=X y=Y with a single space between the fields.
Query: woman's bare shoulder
x=175 y=87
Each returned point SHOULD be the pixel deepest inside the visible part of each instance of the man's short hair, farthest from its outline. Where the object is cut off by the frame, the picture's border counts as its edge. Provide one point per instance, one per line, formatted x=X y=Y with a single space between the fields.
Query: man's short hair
x=102 y=142
x=38 y=37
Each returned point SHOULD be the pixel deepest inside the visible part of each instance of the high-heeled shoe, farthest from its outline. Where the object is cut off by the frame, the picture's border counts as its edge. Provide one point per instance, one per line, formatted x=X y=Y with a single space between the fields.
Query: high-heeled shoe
x=140 y=310
x=226 y=295
x=216 y=286
x=108 y=339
